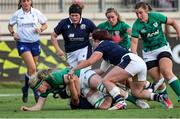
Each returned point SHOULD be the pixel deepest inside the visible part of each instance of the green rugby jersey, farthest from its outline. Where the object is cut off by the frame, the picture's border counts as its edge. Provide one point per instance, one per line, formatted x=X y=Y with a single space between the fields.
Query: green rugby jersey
x=151 y=32
x=121 y=29
x=56 y=80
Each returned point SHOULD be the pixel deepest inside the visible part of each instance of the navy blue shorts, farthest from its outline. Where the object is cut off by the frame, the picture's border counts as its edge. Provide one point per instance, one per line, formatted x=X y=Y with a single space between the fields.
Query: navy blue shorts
x=34 y=48
x=83 y=104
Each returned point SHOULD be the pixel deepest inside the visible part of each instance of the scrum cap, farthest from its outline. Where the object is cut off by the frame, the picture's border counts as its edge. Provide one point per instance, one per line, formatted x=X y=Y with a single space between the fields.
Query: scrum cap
x=75 y=8
x=40 y=76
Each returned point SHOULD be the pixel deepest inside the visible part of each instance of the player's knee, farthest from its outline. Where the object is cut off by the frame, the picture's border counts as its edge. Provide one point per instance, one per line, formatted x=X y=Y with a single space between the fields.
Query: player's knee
x=136 y=93
x=167 y=73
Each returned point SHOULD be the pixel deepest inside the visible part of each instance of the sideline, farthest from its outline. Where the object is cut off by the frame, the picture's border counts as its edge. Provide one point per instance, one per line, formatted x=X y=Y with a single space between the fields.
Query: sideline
x=12 y=95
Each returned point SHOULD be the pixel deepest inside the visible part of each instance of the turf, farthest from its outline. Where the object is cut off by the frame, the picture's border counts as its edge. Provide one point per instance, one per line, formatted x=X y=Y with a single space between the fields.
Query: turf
x=57 y=108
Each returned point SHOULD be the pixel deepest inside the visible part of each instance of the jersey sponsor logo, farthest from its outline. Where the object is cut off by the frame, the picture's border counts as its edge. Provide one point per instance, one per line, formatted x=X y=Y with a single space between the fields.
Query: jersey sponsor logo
x=27 y=25
x=76 y=39
x=71 y=35
x=22 y=48
x=153 y=34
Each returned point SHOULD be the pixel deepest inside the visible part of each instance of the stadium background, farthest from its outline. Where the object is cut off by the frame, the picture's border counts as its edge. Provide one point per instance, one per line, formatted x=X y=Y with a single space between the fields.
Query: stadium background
x=11 y=65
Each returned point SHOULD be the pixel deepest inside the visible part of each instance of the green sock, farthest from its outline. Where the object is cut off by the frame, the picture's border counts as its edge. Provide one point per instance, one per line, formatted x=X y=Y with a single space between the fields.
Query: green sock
x=101 y=88
x=131 y=99
x=163 y=91
x=175 y=85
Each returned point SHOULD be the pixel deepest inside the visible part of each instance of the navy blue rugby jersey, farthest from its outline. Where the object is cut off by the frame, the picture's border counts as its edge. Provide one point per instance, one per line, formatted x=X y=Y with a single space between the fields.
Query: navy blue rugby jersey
x=75 y=37
x=111 y=51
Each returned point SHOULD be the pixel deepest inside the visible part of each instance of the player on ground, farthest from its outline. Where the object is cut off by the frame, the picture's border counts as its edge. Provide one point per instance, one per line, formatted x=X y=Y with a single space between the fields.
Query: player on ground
x=58 y=82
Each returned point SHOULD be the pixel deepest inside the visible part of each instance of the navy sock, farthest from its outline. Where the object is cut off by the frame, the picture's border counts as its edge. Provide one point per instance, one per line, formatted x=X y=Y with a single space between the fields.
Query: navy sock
x=35 y=93
x=118 y=98
x=26 y=85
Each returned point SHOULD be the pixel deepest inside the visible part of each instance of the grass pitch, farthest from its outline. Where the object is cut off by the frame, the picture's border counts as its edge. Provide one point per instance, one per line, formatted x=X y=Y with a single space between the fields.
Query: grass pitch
x=57 y=108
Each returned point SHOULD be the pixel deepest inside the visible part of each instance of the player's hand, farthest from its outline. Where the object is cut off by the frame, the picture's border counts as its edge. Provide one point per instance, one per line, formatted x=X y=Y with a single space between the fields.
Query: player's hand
x=61 y=54
x=15 y=36
x=24 y=108
x=178 y=38
x=38 y=30
x=70 y=73
x=75 y=101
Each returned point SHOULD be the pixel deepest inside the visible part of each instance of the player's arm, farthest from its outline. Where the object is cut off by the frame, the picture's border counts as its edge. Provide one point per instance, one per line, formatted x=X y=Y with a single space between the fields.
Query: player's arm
x=56 y=45
x=96 y=56
x=12 y=32
x=74 y=87
x=175 y=25
x=129 y=31
x=134 y=44
x=11 y=29
x=38 y=106
x=42 y=28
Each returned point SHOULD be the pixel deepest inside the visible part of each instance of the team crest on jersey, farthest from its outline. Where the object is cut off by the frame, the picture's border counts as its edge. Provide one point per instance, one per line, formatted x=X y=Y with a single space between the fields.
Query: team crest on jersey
x=143 y=31
x=155 y=24
x=116 y=33
x=83 y=26
x=68 y=26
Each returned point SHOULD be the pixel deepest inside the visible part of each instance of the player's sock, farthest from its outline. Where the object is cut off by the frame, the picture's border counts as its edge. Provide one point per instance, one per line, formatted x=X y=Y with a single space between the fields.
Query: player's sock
x=155 y=97
x=115 y=93
x=101 y=88
x=175 y=85
x=36 y=95
x=26 y=85
x=25 y=89
x=131 y=99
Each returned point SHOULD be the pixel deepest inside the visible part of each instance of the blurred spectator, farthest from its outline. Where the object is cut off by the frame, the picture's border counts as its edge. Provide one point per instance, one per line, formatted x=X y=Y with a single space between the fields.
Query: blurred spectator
x=165 y=3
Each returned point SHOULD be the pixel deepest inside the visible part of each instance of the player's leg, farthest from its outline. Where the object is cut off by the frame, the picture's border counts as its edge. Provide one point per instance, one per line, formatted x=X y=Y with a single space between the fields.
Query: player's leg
x=31 y=66
x=98 y=99
x=166 y=65
x=115 y=75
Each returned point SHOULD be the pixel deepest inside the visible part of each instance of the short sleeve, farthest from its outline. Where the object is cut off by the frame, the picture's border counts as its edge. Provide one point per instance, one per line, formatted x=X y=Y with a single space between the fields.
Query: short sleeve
x=41 y=18
x=13 y=19
x=58 y=28
x=135 y=31
x=162 y=18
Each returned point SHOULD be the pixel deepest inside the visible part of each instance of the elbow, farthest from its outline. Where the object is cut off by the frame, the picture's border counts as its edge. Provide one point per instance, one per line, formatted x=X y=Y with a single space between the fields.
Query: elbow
x=46 y=26
x=53 y=37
